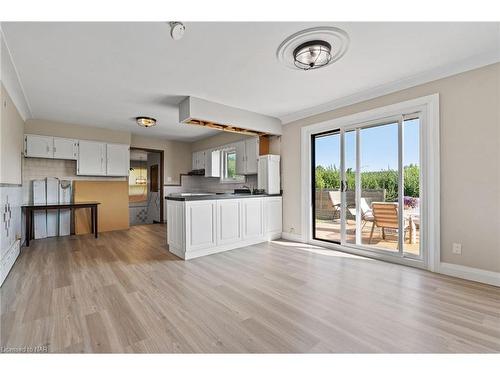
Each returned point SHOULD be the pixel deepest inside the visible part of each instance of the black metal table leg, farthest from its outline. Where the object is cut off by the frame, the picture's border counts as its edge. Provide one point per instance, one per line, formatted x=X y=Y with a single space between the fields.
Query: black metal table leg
x=95 y=222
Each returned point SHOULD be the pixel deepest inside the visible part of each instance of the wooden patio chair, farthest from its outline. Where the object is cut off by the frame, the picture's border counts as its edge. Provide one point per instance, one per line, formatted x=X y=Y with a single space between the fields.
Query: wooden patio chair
x=385 y=215
x=336 y=202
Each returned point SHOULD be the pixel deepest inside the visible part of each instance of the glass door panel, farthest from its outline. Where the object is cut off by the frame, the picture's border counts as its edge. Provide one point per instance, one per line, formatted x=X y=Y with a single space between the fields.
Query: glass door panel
x=411 y=178
x=326 y=186
x=379 y=170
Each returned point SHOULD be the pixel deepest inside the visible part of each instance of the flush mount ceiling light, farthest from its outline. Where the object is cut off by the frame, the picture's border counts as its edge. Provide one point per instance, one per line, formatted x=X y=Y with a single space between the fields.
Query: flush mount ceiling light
x=313 y=48
x=312 y=55
x=145 y=122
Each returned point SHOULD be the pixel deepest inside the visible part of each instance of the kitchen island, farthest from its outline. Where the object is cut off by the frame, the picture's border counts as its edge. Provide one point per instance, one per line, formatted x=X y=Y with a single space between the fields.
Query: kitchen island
x=201 y=224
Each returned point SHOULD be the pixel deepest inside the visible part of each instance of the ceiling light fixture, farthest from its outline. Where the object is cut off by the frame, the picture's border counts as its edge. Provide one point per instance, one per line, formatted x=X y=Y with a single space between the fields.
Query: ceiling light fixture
x=145 y=122
x=313 y=48
x=312 y=55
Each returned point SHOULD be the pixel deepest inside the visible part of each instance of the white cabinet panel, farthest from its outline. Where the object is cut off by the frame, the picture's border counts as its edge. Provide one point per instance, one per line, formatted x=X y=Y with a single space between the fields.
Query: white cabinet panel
x=38 y=146
x=228 y=221
x=198 y=160
x=240 y=157
x=251 y=155
x=117 y=159
x=64 y=148
x=273 y=217
x=212 y=163
x=91 y=158
x=200 y=225
x=252 y=218
x=175 y=224
x=247 y=154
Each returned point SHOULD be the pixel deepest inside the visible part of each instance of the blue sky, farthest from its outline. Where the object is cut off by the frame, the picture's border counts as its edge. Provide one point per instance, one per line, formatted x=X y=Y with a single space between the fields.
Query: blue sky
x=379 y=147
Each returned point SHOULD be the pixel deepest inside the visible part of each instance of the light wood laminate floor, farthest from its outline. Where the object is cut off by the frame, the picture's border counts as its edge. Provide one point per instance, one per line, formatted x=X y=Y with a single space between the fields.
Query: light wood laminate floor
x=125 y=293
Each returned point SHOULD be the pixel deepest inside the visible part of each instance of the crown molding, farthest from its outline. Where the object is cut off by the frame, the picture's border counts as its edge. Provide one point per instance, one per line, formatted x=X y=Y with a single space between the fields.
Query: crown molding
x=11 y=81
x=402 y=84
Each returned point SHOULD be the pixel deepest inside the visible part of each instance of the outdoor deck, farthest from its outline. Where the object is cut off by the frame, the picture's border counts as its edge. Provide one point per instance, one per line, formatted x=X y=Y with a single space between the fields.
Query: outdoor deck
x=330 y=230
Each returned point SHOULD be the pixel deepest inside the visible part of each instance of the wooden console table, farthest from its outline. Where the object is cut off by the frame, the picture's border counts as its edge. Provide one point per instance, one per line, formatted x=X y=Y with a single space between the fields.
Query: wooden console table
x=32 y=207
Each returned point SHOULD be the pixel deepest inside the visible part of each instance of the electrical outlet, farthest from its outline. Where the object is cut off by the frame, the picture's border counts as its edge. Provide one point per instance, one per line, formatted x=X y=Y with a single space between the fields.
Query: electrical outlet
x=457 y=248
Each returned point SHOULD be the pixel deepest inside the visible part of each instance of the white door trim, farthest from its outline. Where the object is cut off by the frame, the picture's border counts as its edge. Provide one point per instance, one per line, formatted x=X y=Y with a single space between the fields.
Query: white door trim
x=428 y=106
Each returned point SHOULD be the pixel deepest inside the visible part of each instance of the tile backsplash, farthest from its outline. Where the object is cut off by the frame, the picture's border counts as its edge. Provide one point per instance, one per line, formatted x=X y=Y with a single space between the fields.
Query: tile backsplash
x=208 y=184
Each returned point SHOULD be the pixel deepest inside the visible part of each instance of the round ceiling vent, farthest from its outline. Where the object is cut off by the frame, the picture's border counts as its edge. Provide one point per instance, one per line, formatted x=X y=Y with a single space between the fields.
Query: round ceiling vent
x=313 y=48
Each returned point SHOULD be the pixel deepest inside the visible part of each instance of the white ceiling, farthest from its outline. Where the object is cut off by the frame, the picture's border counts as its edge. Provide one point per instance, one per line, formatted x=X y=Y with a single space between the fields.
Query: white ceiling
x=105 y=74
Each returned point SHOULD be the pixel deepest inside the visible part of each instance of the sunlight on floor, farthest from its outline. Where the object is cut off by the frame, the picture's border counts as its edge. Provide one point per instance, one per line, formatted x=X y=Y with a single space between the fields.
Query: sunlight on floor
x=318 y=250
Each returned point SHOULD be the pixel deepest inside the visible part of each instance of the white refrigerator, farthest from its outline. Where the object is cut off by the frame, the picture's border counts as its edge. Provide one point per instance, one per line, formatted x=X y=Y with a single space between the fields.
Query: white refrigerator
x=268 y=175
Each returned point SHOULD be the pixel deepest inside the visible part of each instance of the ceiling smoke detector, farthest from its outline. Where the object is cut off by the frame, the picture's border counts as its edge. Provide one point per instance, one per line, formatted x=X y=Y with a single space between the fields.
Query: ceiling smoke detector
x=177 y=30
x=313 y=48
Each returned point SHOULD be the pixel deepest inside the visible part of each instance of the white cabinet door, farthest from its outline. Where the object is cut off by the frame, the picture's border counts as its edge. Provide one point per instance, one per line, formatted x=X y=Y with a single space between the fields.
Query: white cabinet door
x=194 y=161
x=91 y=158
x=273 y=216
x=198 y=160
x=200 y=225
x=228 y=221
x=251 y=155
x=252 y=218
x=240 y=157
x=201 y=159
x=38 y=146
x=212 y=163
x=64 y=148
x=175 y=224
x=117 y=159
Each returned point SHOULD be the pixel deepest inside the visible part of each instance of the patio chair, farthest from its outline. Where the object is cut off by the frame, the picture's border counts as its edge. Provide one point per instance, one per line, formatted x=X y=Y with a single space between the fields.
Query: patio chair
x=335 y=200
x=366 y=212
x=385 y=215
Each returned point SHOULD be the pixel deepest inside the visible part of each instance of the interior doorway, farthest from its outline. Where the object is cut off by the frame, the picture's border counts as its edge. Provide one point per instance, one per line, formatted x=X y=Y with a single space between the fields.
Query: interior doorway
x=146 y=186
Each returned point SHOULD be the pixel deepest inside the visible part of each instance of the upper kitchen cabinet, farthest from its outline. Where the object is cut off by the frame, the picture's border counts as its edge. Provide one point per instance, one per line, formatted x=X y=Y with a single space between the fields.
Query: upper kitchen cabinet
x=212 y=163
x=117 y=159
x=65 y=148
x=38 y=146
x=252 y=155
x=198 y=160
x=91 y=158
x=247 y=154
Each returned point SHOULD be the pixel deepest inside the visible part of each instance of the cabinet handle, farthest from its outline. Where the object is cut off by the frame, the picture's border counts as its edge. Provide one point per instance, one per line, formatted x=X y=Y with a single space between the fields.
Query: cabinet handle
x=54 y=149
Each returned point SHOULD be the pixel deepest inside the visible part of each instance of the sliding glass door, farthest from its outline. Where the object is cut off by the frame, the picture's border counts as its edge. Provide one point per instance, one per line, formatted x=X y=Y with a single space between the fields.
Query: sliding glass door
x=326 y=186
x=366 y=182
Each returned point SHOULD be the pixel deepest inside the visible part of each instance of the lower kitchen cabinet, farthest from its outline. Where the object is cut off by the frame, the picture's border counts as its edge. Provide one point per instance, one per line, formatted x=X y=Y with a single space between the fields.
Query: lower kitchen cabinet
x=253 y=225
x=228 y=221
x=202 y=227
x=273 y=217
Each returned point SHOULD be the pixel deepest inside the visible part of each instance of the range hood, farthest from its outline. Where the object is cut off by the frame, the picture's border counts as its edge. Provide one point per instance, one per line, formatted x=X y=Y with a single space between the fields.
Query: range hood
x=200 y=112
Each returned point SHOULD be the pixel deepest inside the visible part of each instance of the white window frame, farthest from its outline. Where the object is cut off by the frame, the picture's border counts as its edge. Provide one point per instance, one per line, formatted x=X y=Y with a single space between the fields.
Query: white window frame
x=223 y=179
x=428 y=106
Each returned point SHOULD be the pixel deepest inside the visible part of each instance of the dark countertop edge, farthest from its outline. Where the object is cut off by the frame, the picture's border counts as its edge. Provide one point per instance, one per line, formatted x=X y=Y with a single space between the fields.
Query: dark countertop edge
x=220 y=196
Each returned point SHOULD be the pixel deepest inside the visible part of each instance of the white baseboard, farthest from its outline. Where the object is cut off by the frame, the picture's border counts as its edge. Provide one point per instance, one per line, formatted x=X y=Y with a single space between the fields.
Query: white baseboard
x=470 y=273
x=292 y=237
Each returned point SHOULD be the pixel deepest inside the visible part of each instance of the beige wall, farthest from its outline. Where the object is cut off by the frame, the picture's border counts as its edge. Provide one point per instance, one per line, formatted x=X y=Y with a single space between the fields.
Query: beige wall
x=470 y=163
x=11 y=140
x=64 y=130
x=177 y=156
